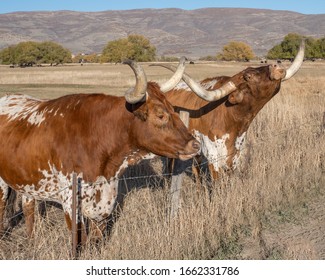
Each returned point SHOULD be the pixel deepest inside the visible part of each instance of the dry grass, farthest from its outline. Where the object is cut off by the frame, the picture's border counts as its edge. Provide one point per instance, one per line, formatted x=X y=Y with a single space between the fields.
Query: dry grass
x=247 y=215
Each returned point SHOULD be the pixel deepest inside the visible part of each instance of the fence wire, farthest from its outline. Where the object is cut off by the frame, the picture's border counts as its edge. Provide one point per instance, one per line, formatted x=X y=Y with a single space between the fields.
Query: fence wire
x=321 y=127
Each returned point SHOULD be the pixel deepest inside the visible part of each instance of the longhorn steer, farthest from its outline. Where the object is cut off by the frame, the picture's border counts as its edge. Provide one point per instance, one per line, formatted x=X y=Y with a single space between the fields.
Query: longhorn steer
x=43 y=142
x=220 y=121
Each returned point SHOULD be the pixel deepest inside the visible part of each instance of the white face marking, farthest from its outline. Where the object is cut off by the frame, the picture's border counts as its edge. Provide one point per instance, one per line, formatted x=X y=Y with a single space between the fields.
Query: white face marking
x=21 y=107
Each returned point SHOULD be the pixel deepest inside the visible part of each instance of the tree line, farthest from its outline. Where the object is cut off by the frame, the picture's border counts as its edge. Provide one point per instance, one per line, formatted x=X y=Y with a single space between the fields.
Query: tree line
x=139 y=48
x=31 y=53
x=315 y=48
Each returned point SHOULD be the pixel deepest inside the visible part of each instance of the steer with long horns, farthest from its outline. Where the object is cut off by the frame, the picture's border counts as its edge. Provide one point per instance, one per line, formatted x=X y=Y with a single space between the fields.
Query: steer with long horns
x=219 y=120
x=44 y=142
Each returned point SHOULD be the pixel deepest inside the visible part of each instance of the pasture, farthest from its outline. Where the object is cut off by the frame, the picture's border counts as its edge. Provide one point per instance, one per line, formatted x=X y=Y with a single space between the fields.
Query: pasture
x=272 y=207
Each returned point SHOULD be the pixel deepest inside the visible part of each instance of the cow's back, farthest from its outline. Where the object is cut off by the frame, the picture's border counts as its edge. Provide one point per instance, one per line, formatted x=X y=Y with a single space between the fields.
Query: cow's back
x=35 y=133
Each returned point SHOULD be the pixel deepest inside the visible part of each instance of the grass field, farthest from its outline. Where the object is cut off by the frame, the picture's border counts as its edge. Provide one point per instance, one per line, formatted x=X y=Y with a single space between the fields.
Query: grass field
x=272 y=207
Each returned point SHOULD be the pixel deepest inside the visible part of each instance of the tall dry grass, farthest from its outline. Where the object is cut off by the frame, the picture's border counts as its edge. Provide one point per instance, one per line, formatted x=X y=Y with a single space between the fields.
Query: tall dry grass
x=282 y=169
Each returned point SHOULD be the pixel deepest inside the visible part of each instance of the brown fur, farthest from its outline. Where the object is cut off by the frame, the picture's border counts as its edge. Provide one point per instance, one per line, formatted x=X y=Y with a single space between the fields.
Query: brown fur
x=233 y=114
x=90 y=134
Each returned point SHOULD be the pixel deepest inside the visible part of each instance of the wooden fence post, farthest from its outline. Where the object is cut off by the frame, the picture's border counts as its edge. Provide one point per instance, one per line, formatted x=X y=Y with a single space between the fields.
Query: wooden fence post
x=74 y=226
x=178 y=172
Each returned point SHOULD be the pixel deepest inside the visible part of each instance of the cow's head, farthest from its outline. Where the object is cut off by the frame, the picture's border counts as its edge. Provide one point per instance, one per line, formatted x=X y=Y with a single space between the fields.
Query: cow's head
x=262 y=83
x=156 y=127
x=252 y=86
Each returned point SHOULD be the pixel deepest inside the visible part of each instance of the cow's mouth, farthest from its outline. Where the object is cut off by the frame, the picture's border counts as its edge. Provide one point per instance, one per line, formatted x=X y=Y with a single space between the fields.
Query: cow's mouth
x=186 y=156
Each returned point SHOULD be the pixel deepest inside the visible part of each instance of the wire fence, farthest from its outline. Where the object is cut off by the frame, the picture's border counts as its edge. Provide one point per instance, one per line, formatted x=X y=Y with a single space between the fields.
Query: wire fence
x=319 y=126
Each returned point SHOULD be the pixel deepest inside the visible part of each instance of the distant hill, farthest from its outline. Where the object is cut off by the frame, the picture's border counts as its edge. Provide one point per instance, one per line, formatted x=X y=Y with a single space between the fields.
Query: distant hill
x=174 y=32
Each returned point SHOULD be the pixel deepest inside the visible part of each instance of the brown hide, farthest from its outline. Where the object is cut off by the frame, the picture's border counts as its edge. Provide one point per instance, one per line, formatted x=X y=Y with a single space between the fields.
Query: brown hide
x=89 y=133
x=232 y=114
x=95 y=135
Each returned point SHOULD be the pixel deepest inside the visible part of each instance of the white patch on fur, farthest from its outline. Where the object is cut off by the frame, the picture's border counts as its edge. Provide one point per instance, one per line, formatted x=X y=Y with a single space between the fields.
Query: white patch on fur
x=4 y=188
x=26 y=199
x=22 y=107
x=98 y=197
x=107 y=193
x=215 y=151
x=56 y=186
x=149 y=156
x=239 y=145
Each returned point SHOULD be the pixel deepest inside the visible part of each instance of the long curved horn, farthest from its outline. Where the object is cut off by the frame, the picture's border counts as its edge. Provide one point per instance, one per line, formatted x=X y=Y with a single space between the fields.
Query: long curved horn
x=293 y=69
x=138 y=93
x=212 y=95
x=174 y=80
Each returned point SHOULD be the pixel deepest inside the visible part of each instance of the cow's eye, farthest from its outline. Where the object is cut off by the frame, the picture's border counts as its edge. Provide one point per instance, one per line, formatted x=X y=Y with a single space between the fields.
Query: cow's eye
x=161 y=116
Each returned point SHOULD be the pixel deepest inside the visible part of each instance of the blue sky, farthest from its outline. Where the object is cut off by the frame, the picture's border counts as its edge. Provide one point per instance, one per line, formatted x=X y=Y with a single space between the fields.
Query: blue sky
x=301 y=6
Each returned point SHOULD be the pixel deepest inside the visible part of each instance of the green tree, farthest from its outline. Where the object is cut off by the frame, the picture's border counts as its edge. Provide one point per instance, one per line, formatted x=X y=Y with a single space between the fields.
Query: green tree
x=26 y=53
x=136 y=47
x=51 y=52
x=238 y=51
x=288 y=48
x=142 y=49
x=322 y=47
x=7 y=55
x=30 y=53
x=117 y=51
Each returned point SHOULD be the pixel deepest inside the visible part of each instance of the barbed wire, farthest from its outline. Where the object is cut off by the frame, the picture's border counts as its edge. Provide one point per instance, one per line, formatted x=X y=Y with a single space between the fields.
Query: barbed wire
x=169 y=174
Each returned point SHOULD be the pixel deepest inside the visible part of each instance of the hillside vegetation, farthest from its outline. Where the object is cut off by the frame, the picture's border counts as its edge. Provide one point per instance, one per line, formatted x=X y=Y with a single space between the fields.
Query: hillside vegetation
x=174 y=32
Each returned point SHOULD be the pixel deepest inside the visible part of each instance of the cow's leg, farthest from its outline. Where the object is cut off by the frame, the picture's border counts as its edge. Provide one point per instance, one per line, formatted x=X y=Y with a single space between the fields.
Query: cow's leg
x=81 y=233
x=100 y=205
x=3 y=202
x=28 y=205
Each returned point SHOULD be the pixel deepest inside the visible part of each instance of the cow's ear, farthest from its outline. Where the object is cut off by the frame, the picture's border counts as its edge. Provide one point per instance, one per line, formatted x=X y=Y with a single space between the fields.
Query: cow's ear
x=236 y=97
x=141 y=112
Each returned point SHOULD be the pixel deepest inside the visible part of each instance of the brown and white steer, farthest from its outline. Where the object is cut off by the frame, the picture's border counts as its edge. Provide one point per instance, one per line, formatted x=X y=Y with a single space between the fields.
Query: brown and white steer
x=221 y=124
x=43 y=142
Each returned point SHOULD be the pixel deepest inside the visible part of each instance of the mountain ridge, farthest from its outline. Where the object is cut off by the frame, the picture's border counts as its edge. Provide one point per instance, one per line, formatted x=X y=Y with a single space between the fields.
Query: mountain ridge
x=173 y=31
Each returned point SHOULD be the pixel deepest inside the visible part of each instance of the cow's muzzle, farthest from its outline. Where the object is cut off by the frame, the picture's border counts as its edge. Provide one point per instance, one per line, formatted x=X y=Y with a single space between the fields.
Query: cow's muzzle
x=192 y=148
